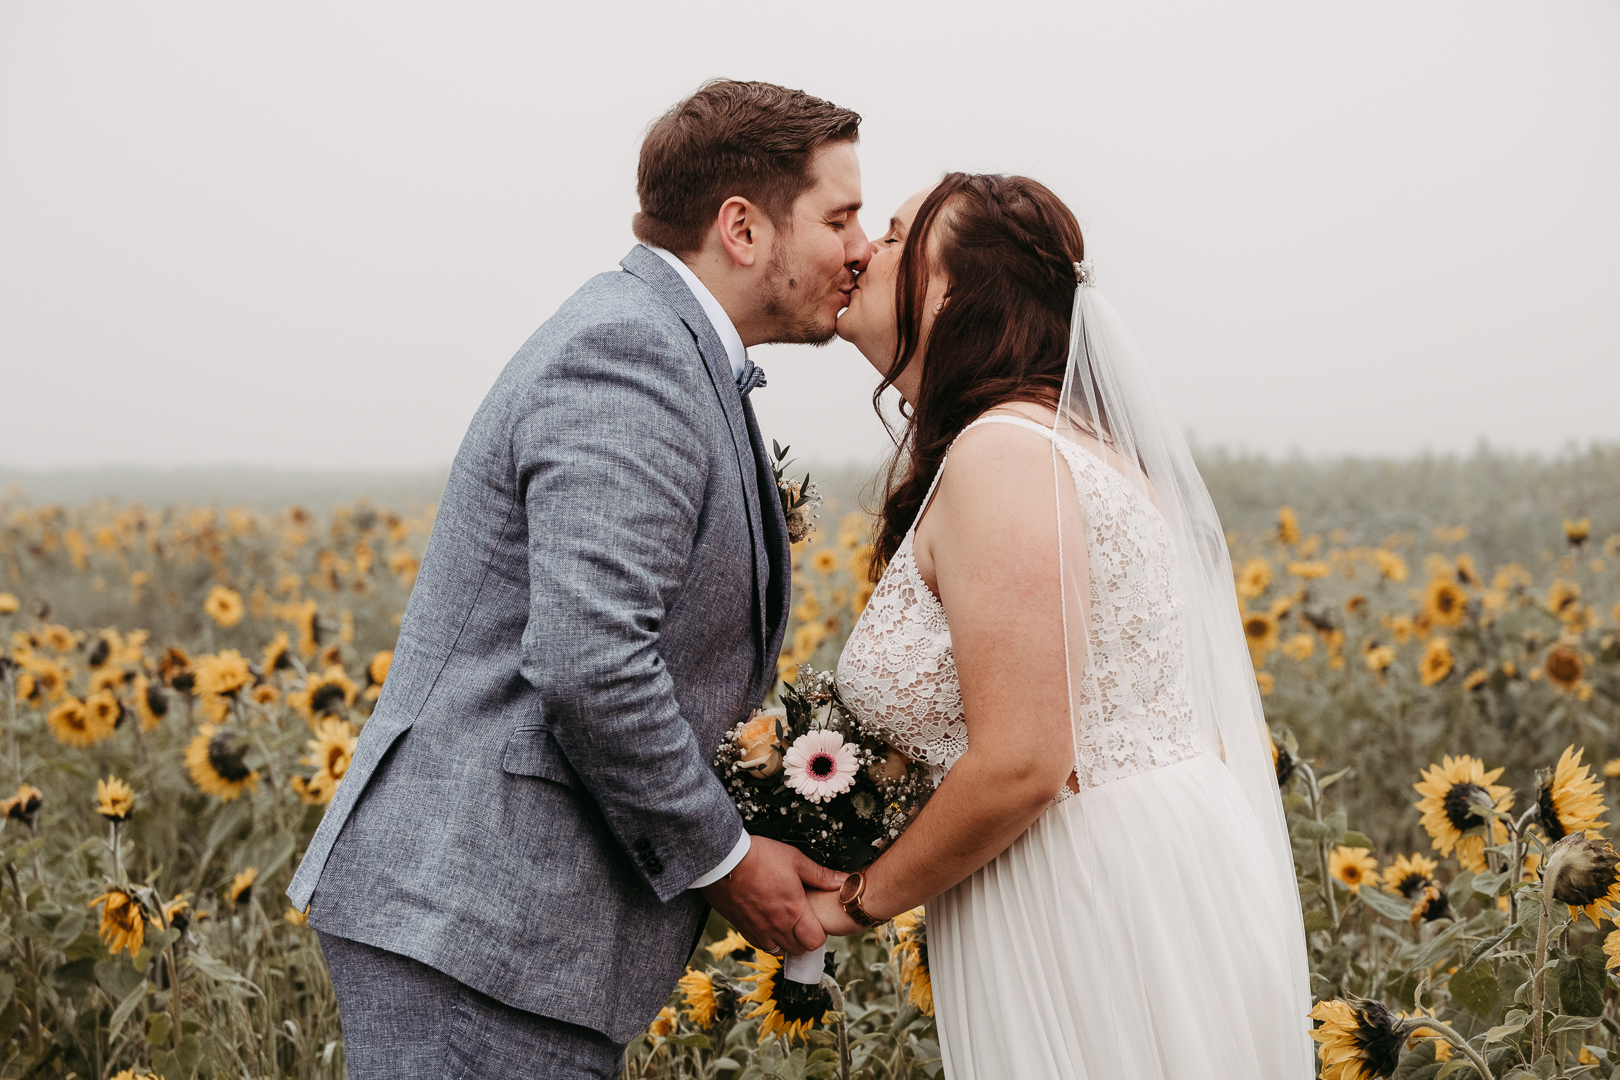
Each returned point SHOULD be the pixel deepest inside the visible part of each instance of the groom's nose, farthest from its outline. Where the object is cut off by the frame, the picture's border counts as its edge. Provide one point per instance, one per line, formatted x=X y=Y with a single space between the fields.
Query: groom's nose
x=859 y=251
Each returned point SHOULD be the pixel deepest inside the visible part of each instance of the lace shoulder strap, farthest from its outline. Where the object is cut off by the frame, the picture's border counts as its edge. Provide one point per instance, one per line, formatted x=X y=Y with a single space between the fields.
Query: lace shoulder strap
x=996 y=419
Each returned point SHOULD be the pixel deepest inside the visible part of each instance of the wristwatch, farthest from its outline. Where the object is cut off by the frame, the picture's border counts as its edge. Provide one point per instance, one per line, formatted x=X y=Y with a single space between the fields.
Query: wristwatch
x=849 y=895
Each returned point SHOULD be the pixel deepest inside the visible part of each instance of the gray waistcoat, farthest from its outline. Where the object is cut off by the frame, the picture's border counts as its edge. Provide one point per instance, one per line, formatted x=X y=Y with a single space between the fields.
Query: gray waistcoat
x=603 y=595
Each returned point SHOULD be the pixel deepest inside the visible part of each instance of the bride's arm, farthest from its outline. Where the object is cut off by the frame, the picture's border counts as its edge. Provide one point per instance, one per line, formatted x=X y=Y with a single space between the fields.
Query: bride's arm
x=992 y=534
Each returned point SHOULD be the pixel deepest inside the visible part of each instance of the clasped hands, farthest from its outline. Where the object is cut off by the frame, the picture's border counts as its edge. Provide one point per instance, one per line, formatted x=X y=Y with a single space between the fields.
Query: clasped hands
x=780 y=899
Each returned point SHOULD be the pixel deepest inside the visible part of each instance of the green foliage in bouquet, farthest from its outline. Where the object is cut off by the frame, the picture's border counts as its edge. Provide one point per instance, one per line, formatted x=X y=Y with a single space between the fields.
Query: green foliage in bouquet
x=811 y=775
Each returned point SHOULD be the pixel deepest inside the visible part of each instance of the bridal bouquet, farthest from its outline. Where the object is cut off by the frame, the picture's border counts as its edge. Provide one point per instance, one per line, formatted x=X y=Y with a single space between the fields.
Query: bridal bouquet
x=811 y=775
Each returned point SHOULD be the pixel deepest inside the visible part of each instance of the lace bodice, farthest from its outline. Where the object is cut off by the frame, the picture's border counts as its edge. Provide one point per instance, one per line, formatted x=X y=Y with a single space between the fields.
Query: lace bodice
x=898 y=675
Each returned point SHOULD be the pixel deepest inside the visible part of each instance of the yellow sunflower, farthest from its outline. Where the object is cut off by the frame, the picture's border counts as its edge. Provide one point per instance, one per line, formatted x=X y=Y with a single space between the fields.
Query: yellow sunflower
x=1360 y=1040
x=123 y=923
x=241 y=890
x=58 y=638
x=296 y=917
x=1449 y=791
x=911 y=956
x=1611 y=949
x=1442 y=1046
x=1254 y=578
x=783 y=1008
x=663 y=1025
x=224 y=606
x=1408 y=873
x=824 y=560
x=732 y=942
x=1444 y=602
x=323 y=695
x=1378 y=658
x=1476 y=679
x=73 y=725
x=265 y=695
x=1390 y=565
x=1577 y=532
x=1356 y=604
x=1354 y=866
x=1266 y=683
x=1299 y=647
x=330 y=752
x=9 y=604
x=115 y=800
x=1260 y=630
x=174 y=668
x=1562 y=596
x=104 y=710
x=1287 y=525
x=1310 y=569
x=1436 y=662
x=1429 y=902
x=222 y=675
x=215 y=763
x=1568 y=798
x=176 y=913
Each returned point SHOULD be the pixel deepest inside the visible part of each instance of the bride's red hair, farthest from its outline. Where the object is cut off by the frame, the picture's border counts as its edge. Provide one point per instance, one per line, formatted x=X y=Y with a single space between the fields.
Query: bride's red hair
x=1007 y=245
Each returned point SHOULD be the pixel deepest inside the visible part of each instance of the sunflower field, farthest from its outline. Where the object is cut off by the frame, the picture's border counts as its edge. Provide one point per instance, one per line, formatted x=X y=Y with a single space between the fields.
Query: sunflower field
x=182 y=688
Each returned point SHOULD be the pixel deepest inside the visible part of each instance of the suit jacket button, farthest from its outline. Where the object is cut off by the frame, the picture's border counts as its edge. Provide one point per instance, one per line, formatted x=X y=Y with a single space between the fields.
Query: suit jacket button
x=643 y=845
x=655 y=865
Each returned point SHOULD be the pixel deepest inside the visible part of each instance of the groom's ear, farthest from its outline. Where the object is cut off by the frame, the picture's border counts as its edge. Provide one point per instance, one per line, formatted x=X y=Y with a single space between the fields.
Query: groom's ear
x=745 y=230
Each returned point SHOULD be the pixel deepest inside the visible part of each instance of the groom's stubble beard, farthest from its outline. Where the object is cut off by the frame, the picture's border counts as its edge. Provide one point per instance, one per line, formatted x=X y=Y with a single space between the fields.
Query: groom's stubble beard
x=799 y=320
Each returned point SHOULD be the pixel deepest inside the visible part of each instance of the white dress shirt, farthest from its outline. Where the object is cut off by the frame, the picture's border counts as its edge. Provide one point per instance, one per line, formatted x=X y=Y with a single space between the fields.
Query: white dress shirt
x=738 y=355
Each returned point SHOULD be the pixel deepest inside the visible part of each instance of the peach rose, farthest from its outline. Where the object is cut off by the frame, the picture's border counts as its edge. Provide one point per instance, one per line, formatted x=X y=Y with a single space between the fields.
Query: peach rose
x=758 y=741
x=892 y=767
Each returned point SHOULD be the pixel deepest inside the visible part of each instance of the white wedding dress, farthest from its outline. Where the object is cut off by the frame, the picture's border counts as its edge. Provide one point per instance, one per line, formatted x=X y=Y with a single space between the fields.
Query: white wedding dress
x=1129 y=933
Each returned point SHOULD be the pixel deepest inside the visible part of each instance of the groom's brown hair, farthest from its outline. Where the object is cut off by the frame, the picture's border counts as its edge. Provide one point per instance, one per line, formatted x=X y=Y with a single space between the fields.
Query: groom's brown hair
x=749 y=139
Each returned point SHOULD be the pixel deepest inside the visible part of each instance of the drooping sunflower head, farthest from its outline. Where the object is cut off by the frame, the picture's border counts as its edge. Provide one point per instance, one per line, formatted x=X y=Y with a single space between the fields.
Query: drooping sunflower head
x=1584 y=873
x=1563 y=667
x=911 y=956
x=1354 y=866
x=277 y=654
x=1361 y=1040
x=1436 y=662
x=23 y=805
x=1562 y=596
x=176 y=913
x=1444 y=602
x=174 y=668
x=377 y=672
x=216 y=763
x=222 y=675
x=783 y=1007
x=1455 y=795
x=1467 y=572
x=1282 y=761
x=241 y=890
x=151 y=703
x=115 y=800
x=708 y=997
x=1577 y=532
x=1568 y=798
x=1407 y=874
x=123 y=921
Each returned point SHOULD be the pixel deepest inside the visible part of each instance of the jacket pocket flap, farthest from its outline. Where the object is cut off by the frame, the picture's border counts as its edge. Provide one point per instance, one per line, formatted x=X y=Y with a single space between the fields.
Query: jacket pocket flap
x=531 y=751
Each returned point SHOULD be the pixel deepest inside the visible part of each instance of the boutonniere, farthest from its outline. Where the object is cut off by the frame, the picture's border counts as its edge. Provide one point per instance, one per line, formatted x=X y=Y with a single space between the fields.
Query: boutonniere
x=800 y=499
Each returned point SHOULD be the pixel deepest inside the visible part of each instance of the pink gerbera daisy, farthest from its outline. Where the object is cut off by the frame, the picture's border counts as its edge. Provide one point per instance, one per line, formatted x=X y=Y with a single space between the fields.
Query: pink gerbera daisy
x=820 y=765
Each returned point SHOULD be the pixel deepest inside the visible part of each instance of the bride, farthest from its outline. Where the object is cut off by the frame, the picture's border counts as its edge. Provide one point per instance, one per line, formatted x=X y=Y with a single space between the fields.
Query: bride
x=1108 y=877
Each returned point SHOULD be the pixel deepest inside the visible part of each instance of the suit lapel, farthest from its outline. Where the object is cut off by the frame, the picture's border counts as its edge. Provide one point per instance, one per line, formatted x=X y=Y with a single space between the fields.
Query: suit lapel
x=779 y=570
x=663 y=280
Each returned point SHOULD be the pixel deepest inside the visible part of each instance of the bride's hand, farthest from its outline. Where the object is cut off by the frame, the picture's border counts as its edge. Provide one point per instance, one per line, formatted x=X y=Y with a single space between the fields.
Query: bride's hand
x=835 y=922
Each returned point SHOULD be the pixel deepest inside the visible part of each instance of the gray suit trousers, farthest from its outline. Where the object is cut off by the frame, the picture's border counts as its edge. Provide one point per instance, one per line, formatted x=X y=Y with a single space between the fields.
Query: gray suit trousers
x=402 y=1020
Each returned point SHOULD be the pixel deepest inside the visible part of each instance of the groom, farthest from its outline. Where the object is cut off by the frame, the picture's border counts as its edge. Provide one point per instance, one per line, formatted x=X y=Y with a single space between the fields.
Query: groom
x=525 y=848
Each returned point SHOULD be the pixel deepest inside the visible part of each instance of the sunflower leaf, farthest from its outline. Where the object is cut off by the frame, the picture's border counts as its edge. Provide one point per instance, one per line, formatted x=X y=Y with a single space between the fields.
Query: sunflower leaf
x=1573 y=1023
x=1502 y=1031
x=1386 y=905
x=1475 y=989
x=1580 y=983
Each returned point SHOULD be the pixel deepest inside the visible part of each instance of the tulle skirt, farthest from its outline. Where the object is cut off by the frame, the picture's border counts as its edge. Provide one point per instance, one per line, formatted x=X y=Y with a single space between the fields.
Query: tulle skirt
x=1128 y=935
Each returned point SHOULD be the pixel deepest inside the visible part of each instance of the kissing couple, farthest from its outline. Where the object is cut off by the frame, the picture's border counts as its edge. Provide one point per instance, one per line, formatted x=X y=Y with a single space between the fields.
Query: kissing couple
x=527 y=845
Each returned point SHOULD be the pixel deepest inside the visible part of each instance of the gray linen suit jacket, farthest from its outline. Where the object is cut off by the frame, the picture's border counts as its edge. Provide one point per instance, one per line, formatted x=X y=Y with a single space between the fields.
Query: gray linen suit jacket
x=603 y=595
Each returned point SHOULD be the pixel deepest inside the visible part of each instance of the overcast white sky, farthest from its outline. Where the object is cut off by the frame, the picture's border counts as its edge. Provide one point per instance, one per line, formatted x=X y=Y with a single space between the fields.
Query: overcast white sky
x=311 y=234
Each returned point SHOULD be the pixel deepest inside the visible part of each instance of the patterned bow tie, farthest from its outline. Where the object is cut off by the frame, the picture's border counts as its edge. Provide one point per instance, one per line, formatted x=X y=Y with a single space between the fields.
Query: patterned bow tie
x=751 y=379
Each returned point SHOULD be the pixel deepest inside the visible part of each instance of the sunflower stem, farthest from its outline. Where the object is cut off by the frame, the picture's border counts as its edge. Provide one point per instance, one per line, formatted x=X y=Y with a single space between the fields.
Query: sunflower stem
x=1539 y=992
x=1315 y=793
x=829 y=984
x=1451 y=1037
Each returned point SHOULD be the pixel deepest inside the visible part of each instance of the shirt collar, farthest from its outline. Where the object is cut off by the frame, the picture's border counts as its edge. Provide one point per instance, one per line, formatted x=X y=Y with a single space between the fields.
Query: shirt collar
x=735 y=352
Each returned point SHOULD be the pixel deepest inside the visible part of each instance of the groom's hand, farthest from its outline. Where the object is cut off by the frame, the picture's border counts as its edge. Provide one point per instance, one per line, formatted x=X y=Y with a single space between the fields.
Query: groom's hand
x=764 y=897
